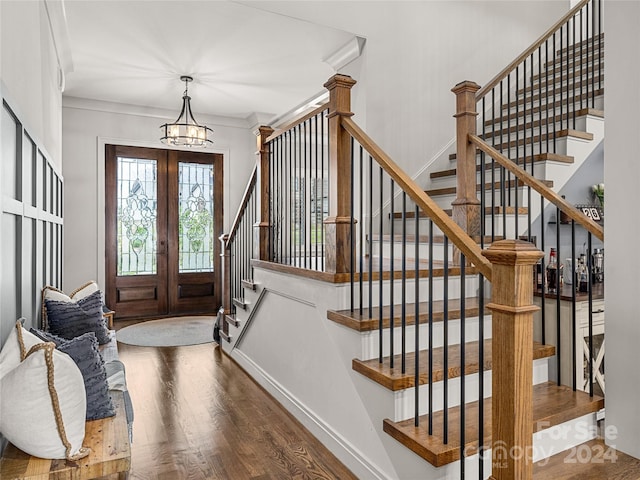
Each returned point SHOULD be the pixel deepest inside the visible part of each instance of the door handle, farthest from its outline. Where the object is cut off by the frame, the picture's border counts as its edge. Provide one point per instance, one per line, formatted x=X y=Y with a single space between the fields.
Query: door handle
x=163 y=248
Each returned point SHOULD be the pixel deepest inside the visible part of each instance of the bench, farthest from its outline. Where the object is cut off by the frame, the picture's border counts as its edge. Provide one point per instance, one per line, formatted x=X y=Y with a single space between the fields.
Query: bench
x=108 y=438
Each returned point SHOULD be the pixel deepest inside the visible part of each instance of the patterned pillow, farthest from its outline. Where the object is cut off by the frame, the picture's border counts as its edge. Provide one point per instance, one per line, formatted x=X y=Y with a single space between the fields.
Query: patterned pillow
x=83 y=350
x=71 y=319
x=41 y=419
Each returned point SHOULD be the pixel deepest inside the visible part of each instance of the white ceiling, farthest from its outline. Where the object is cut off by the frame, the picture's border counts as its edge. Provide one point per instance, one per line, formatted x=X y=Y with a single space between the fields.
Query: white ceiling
x=244 y=60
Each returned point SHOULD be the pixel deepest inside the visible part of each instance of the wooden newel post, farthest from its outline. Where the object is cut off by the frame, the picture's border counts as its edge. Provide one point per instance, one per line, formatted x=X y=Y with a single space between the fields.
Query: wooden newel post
x=338 y=223
x=512 y=331
x=225 y=278
x=262 y=228
x=466 y=206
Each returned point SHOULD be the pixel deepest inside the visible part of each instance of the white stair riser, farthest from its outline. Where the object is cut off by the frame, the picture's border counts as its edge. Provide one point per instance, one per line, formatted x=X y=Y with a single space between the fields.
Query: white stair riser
x=471 y=289
x=404 y=400
x=370 y=340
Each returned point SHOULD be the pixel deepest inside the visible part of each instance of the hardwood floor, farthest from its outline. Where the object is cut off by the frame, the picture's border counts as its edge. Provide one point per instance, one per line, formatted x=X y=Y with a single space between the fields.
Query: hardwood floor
x=199 y=416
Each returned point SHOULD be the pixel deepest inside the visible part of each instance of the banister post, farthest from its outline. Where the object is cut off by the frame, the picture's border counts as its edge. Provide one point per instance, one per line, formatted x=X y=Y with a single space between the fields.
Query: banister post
x=338 y=223
x=263 y=222
x=512 y=353
x=466 y=206
x=225 y=278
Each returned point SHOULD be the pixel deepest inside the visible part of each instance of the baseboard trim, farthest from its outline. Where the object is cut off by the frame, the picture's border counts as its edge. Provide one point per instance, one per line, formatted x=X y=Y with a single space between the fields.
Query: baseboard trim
x=346 y=452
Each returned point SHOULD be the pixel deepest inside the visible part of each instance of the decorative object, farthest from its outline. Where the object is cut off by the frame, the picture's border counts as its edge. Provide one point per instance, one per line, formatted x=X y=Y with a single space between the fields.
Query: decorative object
x=185 y=131
x=42 y=398
x=170 y=332
x=598 y=191
x=83 y=350
x=71 y=319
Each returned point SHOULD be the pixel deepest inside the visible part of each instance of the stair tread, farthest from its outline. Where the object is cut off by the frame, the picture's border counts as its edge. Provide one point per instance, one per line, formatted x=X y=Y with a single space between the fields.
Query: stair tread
x=437 y=239
x=394 y=379
x=570 y=101
x=568 y=132
x=541 y=157
x=603 y=462
x=574 y=56
x=448 y=211
x=552 y=118
x=593 y=38
x=452 y=190
x=552 y=405
x=551 y=121
x=363 y=322
x=541 y=84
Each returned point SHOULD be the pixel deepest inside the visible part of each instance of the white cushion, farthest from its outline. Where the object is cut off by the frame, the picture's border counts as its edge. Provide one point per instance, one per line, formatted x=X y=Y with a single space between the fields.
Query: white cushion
x=27 y=414
x=84 y=291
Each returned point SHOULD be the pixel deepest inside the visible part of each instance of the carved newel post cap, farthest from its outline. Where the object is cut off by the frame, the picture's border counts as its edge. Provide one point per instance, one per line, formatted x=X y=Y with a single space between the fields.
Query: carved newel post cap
x=467 y=85
x=513 y=252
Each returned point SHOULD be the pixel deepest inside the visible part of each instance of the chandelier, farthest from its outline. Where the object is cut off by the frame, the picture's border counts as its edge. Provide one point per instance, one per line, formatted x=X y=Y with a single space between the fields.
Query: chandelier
x=185 y=131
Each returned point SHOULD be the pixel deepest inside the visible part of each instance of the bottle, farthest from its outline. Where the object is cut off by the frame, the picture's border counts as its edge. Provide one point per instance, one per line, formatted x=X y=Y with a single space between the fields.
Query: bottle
x=583 y=274
x=552 y=272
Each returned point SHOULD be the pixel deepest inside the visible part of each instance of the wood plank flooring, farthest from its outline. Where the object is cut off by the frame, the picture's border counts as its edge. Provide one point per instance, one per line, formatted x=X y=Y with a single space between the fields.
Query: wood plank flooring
x=198 y=415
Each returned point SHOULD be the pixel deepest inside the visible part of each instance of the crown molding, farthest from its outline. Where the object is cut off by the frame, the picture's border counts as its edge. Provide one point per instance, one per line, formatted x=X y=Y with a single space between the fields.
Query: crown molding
x=151 y=112
x=346 y=53
x=60 y=36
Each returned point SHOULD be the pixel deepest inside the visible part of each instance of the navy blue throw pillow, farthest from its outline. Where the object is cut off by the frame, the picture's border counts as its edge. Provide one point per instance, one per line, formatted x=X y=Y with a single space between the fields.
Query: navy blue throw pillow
x=83 y=350
x=71 y=319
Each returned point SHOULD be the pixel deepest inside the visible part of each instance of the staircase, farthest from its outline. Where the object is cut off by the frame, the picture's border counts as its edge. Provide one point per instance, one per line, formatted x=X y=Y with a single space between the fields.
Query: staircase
x=400 y=382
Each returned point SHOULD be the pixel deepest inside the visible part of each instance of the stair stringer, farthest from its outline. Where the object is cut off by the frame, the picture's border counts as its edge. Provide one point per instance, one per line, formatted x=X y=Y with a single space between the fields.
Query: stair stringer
x=304 y=360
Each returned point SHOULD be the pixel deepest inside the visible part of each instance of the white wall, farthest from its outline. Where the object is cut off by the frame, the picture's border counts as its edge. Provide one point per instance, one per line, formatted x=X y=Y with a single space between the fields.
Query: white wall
x=622 y=263
x=417 y=51
x=29 y=69
x=87 y=126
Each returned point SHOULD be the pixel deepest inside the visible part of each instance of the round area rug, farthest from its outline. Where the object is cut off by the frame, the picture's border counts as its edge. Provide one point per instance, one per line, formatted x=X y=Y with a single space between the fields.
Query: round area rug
x=168 y=332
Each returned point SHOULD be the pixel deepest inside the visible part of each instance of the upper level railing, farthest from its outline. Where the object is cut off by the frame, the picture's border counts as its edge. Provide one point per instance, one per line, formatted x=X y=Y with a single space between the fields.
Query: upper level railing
x=529 y=109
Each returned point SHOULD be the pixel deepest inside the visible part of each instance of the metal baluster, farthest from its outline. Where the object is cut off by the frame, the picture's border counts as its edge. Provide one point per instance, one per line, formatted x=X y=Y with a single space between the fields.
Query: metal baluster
x=462 y=364
x=380 y=262
x=562 y=77
x=303 y=201
x=322 y=192
x=540 y=99
x=430 y=308
x=558 y=293
x=508 y=202
x=574 y=281
x=542 y=269
x=445 y=355
x=361 y=230
x=582 y=61
x=493 y=165
x=573 y=94
x=391 y=272
x=554 y=94
x=371 y=235
x=315 y=193
x=403 y=317
x=416 y=314
x=351 y=236
x=546 y=83
x=524 y=149
x=351 y=233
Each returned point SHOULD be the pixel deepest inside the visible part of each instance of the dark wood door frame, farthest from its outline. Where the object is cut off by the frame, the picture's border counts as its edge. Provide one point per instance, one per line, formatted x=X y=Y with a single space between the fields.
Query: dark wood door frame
x=168 y=292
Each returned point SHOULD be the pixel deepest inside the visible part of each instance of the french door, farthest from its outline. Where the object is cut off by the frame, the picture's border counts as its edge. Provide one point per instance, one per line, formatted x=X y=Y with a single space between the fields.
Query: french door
x=163 y=219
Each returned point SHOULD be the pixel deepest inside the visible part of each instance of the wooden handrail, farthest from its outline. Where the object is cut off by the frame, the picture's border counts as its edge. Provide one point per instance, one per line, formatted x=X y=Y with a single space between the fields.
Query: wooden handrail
x=297 y=122
x=540 y=187
x=245 y=199
x=458 y=236
x=520 y=58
